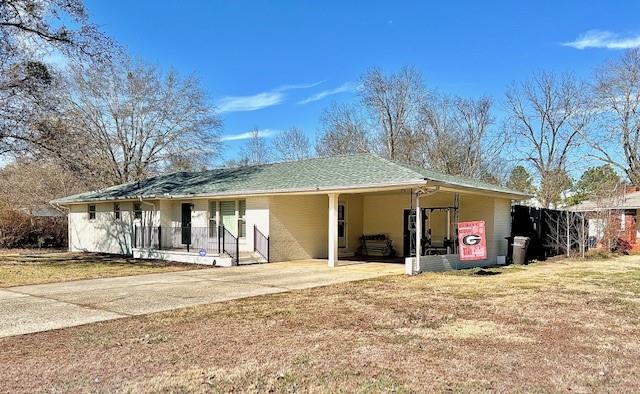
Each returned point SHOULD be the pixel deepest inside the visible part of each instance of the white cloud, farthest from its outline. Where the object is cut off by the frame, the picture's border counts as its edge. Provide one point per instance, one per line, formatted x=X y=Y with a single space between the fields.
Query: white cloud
x=345 y=87
x=249 y=103
x=604 y=39
x=260 y=100
x=265 y=133
x=284 y=88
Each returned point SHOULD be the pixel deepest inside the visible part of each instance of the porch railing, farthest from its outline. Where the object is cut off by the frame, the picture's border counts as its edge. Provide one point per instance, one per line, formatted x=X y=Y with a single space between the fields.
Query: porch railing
x=260 y=243
x=191 y=239
x=230 y=245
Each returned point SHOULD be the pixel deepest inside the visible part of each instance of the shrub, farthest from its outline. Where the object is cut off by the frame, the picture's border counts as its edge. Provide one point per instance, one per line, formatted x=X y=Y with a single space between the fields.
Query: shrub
x=598 y=254
x=19 y=230
x=622 y=246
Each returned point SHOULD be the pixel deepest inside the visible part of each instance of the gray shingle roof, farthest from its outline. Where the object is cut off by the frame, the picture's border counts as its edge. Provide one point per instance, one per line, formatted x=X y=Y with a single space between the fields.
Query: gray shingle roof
x=626 y=201
x=327 y=173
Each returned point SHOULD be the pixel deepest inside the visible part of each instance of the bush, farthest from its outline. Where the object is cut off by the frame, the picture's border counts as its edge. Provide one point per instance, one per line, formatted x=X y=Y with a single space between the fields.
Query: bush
x=599 y=254
x=622 y=246
x=21 y=230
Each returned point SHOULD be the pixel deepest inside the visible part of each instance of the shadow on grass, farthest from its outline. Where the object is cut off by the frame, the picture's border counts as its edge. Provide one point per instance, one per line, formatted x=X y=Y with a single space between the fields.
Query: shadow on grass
x=80 y=258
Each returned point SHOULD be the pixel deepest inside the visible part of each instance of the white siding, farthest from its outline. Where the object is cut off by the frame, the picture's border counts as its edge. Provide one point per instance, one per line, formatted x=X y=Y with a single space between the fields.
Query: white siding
x=502 y=225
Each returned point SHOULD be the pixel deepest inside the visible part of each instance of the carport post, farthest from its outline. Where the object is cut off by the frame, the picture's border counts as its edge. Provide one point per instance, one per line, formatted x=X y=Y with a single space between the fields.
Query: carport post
x=333 y=230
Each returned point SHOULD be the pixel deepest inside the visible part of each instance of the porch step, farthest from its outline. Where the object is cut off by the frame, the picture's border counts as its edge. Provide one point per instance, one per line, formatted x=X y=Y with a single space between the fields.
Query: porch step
x=251 y=258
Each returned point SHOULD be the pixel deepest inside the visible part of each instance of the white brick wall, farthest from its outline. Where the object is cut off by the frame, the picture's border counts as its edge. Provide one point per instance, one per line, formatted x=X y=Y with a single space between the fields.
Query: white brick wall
x=298 y=227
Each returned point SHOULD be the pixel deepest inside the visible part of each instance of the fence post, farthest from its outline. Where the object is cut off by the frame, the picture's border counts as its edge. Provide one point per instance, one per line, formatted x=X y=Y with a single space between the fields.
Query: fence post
x=135 y=236
x=238 y=250
x=568 y=236
x=159 y=237
x=268 y=251
x=584 y=238
x=219 y=235
x=188 y=237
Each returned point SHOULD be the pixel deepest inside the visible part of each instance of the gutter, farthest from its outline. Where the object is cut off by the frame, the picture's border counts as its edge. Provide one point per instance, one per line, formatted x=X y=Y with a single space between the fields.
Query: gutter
x=513 y=196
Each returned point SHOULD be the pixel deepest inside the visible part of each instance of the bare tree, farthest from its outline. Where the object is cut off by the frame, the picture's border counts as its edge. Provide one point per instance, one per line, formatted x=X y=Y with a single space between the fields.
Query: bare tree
x=393 y=102
x=547 y=115
x=343 y=131
x=29 y=94
x=457 y=137
x=29 y=32
x=292 y=144
x=595 y=223
x=617 y=92
x=63 y=25
x=126 y=121
x=30 y=185
x=567 y=232
x=256 y=149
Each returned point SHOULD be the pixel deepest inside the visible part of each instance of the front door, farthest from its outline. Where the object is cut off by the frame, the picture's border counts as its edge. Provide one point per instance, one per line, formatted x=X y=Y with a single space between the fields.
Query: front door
x=186 y=224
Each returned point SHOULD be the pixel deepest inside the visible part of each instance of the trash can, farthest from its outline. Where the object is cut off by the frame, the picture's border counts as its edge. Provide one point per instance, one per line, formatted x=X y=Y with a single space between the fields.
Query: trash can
x=520 y=245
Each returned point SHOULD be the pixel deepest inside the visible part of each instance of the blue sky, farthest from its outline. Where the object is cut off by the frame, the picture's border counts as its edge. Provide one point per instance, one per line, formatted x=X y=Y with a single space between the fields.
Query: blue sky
x=276 y=64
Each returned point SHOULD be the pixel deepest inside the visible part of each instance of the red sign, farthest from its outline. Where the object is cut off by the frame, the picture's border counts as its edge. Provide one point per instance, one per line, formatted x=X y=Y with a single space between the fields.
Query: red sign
x=472 y=240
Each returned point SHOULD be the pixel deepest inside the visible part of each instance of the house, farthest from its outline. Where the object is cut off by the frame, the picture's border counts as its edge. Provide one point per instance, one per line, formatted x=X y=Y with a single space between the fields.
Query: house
x=613 y=217
x=310 y=209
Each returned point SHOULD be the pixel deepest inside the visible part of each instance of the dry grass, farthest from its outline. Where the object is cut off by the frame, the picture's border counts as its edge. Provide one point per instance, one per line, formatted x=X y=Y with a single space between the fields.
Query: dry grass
x=546 y=327
x=23 y=267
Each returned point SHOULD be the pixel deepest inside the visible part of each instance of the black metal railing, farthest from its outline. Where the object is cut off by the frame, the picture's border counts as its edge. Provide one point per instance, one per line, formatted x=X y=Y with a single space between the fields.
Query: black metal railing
x=260 y=243
x=191 y=239
x=230 y=245
x=145 y=237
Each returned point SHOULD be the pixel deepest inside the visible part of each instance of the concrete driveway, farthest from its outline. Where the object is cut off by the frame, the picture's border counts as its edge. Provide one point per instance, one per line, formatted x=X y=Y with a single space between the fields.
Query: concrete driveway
x=27 y=309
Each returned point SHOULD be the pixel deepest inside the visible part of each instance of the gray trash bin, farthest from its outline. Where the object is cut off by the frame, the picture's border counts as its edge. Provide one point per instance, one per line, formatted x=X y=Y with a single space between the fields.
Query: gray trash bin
x=520 y=245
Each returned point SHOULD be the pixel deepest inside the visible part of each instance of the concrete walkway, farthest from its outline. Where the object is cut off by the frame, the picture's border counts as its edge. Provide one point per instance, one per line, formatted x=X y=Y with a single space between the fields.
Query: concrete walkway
x=28 y=309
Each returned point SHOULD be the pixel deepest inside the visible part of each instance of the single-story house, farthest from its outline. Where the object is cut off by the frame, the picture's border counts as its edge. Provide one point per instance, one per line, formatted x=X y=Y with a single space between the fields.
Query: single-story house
x=615 y=216
x=321 y=208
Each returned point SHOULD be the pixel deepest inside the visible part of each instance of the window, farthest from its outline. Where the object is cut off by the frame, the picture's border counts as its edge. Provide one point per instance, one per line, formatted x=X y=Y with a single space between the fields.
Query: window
x=92 y=212
x=242 y=223
x=213 y=220
x=116 y=210
x=137 y=210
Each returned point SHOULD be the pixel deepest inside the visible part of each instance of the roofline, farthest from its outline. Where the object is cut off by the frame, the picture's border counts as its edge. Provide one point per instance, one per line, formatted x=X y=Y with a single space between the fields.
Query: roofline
x=600 y=209
x=317 y=190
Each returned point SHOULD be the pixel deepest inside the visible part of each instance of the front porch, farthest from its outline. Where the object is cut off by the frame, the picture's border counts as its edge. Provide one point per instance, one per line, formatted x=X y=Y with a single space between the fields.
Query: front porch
x=211 y=232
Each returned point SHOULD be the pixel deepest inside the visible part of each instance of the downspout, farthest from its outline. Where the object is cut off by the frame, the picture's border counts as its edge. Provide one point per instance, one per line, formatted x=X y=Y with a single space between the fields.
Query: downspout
x=142 y=202
x=147 y=203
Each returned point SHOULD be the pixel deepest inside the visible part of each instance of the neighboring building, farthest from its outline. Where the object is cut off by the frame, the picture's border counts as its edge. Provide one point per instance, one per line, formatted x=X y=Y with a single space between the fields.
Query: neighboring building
x=309 y=209
x=46 y=212
x=616 y=215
